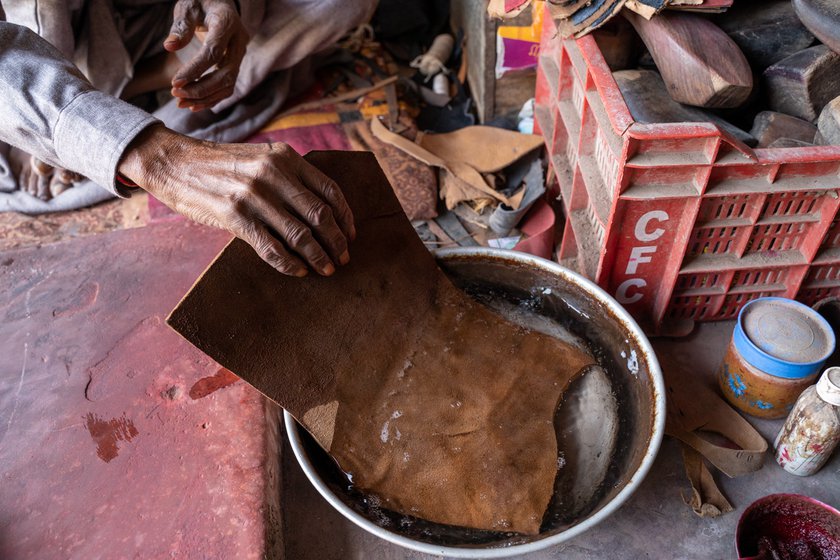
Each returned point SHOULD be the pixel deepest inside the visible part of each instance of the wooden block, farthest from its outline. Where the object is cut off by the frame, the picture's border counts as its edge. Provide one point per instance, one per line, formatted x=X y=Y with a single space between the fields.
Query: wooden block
x=699 y=63
x=822 y=18
x=648 y=101
x=618 y=43
x=770 y=126
x=829 y=123
x=803 y=83
x=789 y=143
x=765 y=31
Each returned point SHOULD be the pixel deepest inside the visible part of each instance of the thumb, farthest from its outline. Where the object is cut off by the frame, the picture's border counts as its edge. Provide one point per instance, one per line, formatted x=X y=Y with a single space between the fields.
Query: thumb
x=187 y=16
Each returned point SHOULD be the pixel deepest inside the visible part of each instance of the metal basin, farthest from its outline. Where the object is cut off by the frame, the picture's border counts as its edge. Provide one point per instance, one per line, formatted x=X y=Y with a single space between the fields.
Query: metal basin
x=609 y=424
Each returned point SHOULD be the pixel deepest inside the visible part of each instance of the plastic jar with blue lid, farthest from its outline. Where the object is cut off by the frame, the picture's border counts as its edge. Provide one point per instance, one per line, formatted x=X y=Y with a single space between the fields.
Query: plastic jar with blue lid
x=777 y=350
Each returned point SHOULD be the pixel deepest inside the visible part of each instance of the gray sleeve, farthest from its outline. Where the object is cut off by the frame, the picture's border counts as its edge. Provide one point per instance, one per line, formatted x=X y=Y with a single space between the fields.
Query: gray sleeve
x=51 y=111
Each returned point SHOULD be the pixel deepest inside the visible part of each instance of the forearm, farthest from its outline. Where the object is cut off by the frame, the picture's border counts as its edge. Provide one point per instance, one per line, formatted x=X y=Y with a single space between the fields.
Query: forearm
x=51 y=111
x=163 y=162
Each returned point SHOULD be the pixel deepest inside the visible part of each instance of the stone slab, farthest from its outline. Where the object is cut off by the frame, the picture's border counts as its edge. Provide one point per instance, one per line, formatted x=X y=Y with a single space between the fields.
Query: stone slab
x=117 y=438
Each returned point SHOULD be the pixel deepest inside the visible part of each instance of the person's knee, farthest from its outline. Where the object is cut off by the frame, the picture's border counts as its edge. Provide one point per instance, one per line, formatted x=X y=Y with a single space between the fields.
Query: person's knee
x=355 y=13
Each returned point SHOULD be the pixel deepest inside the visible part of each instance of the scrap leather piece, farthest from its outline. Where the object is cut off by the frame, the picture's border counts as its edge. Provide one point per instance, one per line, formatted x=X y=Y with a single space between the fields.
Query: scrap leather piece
x=470 y=182
x=487 y=149
x=706 y=498
x=694 y=408
x=414 y=182
x=431 y=401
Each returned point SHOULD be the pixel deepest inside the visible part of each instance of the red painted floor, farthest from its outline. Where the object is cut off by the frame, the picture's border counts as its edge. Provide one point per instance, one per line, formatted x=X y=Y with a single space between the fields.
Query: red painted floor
x=117 y=438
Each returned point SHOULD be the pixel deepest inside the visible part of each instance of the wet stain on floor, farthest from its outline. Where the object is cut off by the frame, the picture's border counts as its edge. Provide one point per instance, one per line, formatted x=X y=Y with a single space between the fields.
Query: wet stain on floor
x=206 y=385
x=107 y=433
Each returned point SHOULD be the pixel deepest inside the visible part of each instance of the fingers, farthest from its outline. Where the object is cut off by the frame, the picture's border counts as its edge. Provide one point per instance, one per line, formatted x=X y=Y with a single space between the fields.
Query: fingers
x=58 y=186
x=23 y=178
x=40 y=167
x=316 y=216
x=207 y=91
x=67 y=176
x=37 y=185
x=218 y=85
x=42 y=189
x=221 y=22
x=32 y=187
x=326 y=188
x=36 y=178
x=296 y=235
x=271 y=250
x=186 y=17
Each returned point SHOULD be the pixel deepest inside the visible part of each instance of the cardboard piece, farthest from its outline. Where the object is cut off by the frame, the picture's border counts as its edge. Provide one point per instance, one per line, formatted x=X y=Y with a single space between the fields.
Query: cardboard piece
x=518 y=47
x=431 y=401
x=506 y=9
x=646 y=8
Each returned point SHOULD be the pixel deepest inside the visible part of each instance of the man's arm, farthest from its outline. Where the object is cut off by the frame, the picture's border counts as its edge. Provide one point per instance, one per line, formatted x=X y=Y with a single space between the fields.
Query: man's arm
x=294 y=216
x=52 y=112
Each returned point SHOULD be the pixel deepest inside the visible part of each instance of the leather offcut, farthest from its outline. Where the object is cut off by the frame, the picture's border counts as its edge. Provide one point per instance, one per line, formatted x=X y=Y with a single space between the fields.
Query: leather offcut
x=434 y=403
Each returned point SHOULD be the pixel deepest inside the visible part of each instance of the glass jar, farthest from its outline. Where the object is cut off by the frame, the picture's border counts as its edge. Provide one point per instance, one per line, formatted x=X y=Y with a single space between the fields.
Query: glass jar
x=812 y=430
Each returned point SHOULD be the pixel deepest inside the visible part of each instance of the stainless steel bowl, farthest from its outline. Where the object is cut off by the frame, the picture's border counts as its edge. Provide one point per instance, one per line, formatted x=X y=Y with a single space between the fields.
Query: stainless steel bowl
x=609 y=425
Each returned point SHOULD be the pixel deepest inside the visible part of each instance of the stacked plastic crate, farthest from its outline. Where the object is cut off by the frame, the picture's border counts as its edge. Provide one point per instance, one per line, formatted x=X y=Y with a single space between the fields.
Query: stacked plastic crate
x=680 y=221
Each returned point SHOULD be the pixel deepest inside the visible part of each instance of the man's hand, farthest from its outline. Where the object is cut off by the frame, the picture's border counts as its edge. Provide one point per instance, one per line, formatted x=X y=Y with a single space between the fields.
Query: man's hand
x=293 y=215
x=224 y=47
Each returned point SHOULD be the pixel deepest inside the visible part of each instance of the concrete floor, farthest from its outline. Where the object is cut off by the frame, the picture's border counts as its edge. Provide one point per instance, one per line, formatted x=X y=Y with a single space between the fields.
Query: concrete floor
x=654 y=523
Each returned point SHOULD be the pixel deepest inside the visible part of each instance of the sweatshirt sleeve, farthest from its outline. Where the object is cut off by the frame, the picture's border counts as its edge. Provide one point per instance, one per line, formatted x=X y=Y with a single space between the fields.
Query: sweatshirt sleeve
x=51 y=111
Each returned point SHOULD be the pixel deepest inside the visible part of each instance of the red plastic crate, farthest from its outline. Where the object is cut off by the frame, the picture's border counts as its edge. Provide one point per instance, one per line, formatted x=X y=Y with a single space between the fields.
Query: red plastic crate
x=680 y=221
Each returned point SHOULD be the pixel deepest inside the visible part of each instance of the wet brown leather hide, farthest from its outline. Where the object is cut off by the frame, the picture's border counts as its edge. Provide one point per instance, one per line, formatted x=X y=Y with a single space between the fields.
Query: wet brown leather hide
x=431 y=401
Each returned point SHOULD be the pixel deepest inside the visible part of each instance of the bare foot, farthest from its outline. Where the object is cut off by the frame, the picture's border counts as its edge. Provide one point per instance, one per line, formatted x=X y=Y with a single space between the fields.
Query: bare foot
x=38 y=178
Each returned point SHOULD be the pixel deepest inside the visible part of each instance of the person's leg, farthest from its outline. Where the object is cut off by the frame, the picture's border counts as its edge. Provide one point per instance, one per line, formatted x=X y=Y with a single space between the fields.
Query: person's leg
x=152 y=74
x=278 y=65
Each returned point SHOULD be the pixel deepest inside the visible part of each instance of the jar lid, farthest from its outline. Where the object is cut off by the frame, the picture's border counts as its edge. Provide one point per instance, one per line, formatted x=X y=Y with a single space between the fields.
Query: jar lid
x=783 y=337
x=828 y=387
